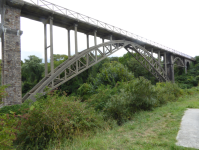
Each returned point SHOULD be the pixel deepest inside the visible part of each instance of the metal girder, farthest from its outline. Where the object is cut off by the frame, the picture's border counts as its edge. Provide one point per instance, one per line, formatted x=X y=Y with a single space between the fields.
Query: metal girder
x=148 y=61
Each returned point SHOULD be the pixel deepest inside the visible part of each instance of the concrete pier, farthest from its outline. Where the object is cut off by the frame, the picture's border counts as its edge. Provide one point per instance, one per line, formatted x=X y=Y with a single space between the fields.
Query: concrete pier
x=11 y=53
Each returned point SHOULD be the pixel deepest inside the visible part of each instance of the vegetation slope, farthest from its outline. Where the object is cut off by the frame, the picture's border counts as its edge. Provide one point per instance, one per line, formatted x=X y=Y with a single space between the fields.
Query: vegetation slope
x=106 y=97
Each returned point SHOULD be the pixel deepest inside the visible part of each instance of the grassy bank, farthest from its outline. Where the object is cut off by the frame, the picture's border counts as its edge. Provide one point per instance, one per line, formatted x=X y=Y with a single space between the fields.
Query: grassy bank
x=155 y=129
x=130 y=115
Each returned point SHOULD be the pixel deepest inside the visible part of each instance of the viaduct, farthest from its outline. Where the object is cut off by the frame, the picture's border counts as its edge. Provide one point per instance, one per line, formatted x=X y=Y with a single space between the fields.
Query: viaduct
x=40 y=10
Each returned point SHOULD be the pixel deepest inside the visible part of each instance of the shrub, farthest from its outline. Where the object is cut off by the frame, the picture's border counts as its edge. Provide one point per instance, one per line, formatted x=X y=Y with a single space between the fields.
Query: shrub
x=103 y=94
x=167 y=92
x=18 y=109
x=9 y=127
x=128 y=98
x=118 y=108
x=3 y=92
x=142 y=94
x=58 y=118
x=85 y=91
x=111 y=73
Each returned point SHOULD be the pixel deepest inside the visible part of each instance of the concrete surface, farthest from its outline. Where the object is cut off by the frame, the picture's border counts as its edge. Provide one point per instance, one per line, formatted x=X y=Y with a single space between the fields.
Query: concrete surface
x=188 y=135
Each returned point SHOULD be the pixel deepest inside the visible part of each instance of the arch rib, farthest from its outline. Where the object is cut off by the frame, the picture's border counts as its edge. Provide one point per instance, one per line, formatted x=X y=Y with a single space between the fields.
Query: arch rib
x=147 y=60
x=69 y=66
x=178 y=59
x=85 y=59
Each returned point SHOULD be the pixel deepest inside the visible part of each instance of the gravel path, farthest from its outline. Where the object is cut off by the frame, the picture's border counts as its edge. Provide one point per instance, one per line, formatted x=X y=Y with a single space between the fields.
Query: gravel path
x=188 y=135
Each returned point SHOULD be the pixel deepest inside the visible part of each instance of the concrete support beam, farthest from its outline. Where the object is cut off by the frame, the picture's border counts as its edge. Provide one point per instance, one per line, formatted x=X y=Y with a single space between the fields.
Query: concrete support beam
x=95 y=42
x=170 y=67
x=103 y=46
x=76 y=46
x=87 y=40
x=51 y=48
x=11 y=53
x=51 y=45
x=185 y=66
x=165 y=62
x=159 y=57
x=152 y=51
x=111 y=38
x=45 y=50
x=152 y=54
x=69 y=48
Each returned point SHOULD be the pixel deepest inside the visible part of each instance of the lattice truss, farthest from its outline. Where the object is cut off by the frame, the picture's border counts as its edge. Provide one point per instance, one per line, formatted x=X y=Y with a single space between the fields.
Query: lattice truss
x=75 y=65
x=148 y=61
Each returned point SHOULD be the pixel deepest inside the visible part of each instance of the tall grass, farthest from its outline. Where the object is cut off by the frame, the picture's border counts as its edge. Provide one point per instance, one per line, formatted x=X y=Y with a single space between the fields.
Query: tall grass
x=55 y=118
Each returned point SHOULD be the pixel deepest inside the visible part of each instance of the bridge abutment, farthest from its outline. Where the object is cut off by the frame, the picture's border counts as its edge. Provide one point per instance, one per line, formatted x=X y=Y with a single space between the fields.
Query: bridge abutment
x=11 y=52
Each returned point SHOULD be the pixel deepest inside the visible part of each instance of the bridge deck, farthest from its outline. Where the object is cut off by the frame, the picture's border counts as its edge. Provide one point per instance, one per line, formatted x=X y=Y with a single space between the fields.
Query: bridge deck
x=66 y=18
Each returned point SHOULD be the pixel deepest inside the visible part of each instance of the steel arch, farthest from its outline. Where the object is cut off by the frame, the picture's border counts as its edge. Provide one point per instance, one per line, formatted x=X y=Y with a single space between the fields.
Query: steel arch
x=179 y=62
x=147 y=60
x=85 y=59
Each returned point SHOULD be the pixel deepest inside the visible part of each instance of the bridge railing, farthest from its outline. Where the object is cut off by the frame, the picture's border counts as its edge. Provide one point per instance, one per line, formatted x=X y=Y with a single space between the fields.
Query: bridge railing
x=78 y=16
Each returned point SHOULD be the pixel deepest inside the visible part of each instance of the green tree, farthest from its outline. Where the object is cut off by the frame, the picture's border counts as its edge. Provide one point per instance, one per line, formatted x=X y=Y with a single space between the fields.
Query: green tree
x=111 y=73
x=32 y=72
x=135 y=67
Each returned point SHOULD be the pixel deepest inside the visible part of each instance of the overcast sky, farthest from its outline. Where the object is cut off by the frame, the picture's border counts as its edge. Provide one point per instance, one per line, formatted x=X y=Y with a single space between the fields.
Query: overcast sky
x=173 y=23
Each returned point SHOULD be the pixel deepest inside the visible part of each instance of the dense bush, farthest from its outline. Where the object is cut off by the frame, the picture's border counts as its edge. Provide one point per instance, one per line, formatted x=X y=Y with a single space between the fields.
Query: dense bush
x=9 y=128
x=118 y=107
x=85 y=91
x=58 y=118
x=167 y=92
x=142 y=94
x=18 y=109
x=135 y=95
x=3 y=92
x=103 y=94
x=111 y=73
x=191 y=79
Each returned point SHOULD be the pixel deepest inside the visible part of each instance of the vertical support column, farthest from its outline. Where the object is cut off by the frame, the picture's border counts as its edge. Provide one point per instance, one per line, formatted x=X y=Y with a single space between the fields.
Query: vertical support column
x=87 y=58
x=159 y=58
x=87 y=41
x=103 y=47
x=51 y=45
x=76 y=46
x=11 y=52
x=152 y=55
x=69 y=51
x=51 y=48
x=111 y=38
x=152 y=51
x=165 y=62
x=170 y=67
x=185 y=66
x=95 y=42
x=45 y=50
